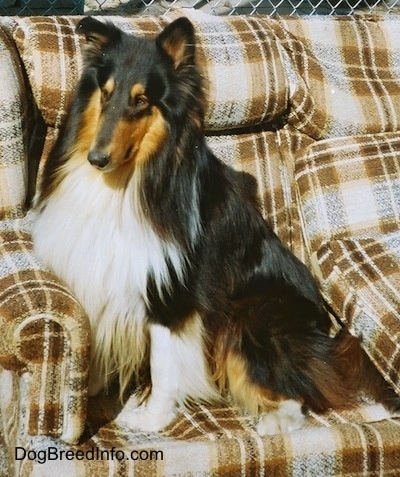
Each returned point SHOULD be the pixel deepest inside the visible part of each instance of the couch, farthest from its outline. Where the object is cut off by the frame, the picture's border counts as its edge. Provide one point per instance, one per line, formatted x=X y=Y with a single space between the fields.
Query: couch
x=310 y=106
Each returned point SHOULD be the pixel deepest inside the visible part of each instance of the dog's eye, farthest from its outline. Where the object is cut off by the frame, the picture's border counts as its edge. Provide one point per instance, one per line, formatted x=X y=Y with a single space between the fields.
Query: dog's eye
x=139 y=102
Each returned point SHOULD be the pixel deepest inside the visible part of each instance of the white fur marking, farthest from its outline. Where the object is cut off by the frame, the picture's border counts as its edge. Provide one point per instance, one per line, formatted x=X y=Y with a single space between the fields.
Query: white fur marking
x=91 y=236
x=288 y=417
x=178 y=373
x=160 y=408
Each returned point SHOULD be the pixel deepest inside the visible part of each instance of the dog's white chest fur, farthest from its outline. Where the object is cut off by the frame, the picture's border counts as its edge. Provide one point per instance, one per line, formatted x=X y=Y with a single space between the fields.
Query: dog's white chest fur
x=90 y=236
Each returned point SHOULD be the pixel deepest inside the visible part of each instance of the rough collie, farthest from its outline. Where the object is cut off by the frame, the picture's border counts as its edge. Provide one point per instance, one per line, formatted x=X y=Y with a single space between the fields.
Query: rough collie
x=189 y=292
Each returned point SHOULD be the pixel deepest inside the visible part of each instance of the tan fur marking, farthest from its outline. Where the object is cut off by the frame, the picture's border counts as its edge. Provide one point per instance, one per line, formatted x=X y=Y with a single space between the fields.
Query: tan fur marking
x=137 y=89
x=176 y=49
x=154 y=135
x=108 y=88
x=90 y=125
x=142 y=138
x=133 y=141
x=234 y=379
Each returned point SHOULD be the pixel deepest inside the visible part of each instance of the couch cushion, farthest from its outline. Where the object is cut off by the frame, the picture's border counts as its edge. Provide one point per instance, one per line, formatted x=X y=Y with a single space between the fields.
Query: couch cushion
x=349 y=187
x=213 y=441
x=241 y=61
x=361 y=282
x=13 y=173
x=349 y=195
x=345 y=74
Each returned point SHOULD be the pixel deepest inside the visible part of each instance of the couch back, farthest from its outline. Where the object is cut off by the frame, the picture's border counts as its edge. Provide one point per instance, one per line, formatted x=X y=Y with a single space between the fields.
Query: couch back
x=13 y=153
x=346 y=74
x=275 y=87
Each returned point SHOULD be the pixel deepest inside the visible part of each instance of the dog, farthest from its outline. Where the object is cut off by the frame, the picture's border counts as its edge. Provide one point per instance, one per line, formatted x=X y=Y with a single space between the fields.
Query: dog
x=190 y=294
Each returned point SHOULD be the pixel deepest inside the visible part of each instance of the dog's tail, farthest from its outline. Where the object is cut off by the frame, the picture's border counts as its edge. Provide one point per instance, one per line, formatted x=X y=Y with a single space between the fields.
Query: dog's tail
x=275 y=349
x=358 y=374
x=337 y=372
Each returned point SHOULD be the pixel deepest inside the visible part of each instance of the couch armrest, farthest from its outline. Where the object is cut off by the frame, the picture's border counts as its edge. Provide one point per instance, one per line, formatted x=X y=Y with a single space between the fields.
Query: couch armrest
x=45 y=332
x=360 y=279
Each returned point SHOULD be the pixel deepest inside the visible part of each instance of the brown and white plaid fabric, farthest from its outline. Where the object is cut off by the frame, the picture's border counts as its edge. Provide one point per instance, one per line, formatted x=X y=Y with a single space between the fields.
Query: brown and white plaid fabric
x=345 y=74
x=46 y=334
x=241 y=62
x=13 y=171
x=361 y=282
x=220 y=441
x=350 y=187
x=349 y=190
x=242 y=65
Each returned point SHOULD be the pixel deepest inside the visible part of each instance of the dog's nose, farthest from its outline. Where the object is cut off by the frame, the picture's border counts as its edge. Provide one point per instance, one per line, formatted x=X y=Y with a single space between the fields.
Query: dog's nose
x=98 y=159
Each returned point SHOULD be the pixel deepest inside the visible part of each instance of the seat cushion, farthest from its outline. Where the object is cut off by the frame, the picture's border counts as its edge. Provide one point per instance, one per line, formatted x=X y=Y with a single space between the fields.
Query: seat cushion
x=215 y=441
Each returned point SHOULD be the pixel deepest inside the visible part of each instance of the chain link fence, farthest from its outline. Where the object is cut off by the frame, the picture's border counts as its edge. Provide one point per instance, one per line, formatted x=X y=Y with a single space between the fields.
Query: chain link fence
x=245 y=7
x=42 y=7
x=214 y=7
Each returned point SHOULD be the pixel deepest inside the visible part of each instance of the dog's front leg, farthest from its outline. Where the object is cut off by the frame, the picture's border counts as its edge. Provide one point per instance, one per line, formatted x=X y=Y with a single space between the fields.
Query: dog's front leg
x=179 y=374
x=160 y=408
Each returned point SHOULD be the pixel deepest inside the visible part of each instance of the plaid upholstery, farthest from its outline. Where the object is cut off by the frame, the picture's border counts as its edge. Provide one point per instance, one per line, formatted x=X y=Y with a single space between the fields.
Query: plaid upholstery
x=48 y=337
x=245 y=79
x=345 y=74
x=13 y=174
x=349 y=191
x=350 y=187
x=361 y=280
x=269 y=85
x=218 y=441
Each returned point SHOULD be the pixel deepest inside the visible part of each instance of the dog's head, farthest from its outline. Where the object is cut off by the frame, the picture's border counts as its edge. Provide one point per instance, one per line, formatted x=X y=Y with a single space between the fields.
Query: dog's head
x=131 y=91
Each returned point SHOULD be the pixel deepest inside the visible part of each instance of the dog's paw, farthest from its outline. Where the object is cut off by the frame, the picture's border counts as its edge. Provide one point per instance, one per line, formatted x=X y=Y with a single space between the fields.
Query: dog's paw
x=288 y=417
x=144 y=419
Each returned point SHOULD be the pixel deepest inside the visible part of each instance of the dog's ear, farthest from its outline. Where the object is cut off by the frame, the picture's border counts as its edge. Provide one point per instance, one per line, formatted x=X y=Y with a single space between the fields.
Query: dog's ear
x=97 y=34
x=177 y=41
